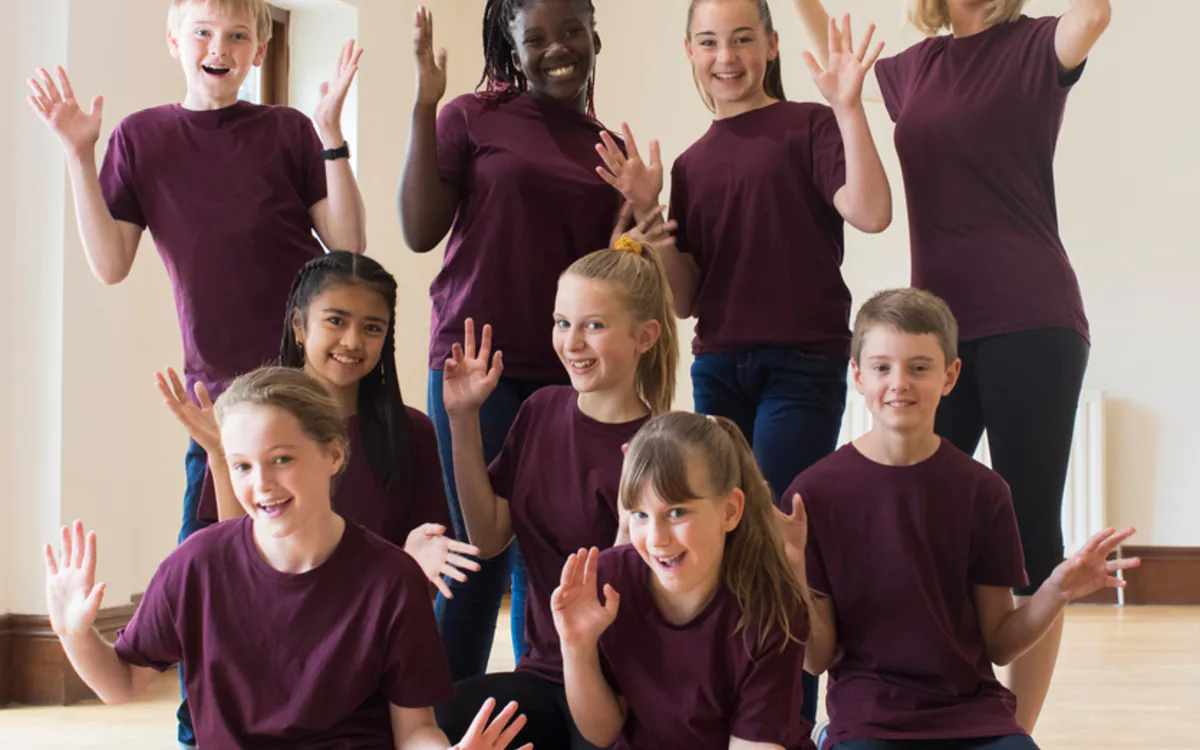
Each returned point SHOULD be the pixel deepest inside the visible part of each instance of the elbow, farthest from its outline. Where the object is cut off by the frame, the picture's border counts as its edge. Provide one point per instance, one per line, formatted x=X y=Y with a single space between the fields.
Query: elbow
x=816 y=664
x=876 y=220
x=999 y=654
x=1098 y=16
x=111 y=276
x=416 y=241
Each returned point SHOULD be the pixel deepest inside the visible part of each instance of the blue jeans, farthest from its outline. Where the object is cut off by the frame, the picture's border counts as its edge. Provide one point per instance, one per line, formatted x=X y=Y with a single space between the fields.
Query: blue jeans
x=788 y=404
x=195 y=464
x=467 y=623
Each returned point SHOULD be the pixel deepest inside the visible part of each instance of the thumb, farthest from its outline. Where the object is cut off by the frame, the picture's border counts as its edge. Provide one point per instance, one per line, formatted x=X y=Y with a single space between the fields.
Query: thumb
x=612 y=600
x=324 y=88
x=813 y=66
x=442 y=56
x=93 y=601
x=655 y=154
x=98 y=107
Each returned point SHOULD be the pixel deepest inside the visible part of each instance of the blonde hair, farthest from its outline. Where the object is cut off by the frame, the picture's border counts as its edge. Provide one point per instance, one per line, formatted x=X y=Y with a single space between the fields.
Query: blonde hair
x=755 y=567
x=931 y=16
x=256 y=9
x=907 y=311
x=643 y=282
x=296 y=393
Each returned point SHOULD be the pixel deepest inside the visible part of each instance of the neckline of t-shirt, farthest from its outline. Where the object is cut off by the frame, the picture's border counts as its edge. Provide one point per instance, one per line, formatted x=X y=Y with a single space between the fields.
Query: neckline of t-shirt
x=296 y=579
x=596 y=424
x=942 y=446
x=214 y=117
x=705 y=612
x=962 y=41
x=551 y=107
x=746 y=115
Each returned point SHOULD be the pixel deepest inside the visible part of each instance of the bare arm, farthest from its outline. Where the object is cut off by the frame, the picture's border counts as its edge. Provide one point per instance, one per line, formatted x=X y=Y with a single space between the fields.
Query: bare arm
x=416 y=729
x=340 y=218
x=489 y=525
x=110 y=244
x=96 y=661
x=1079 y=29
x=815 y=21
x=822 y=639
x=1009 y=631
x=426 y=203
x=597 y=710
x=228 y=505
x=738 y=744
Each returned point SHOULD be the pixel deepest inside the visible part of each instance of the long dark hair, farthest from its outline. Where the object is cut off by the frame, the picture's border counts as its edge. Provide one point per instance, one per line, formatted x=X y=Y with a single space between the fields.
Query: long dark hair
x=382 y=419
x=502 y=79
x=772 y=78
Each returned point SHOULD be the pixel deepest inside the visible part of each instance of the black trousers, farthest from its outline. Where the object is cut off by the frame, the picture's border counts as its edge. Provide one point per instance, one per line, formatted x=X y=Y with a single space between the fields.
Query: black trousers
x=1023 y=388
x=549 y=725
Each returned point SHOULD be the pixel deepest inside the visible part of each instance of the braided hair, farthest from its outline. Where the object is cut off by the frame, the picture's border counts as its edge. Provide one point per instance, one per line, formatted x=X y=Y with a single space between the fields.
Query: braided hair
x=383 y=421
x=502 y=79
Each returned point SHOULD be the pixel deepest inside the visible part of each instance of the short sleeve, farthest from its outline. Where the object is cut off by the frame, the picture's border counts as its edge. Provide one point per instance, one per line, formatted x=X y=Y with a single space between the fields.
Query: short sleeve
x=765 y=710
x=1041 y=71
x=454 y=143
x=417 y=674
x=895 y=79
x=678 y=206
x=117 y=183
x=503 y=470
x=312 y=188
x=996 y=555
x=151 y=639
x=828 y=154
x=429 y=485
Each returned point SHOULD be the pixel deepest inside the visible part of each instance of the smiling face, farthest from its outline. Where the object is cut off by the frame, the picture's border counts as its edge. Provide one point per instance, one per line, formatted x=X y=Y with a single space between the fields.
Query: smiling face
x=281 y=476
x=343 y=333
x=596 y=337
x=729 y=48
x=903 y=377
x=555 y=46
x=217 y=47
x=683 y=543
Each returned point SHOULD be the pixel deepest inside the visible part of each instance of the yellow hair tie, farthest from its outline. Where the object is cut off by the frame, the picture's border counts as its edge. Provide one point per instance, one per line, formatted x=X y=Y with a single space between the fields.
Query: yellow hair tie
x=629 y=245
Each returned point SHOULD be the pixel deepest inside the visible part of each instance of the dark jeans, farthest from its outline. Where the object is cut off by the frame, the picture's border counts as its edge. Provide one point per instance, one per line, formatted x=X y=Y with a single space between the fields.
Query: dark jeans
x=549 y=724
x=467 y=623
x=195 y=463
x=1023 y=388
x=789 y=405
x=1011 y=742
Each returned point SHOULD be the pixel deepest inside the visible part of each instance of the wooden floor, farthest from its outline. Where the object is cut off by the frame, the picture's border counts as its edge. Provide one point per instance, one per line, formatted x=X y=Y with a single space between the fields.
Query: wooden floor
x=1127 y=678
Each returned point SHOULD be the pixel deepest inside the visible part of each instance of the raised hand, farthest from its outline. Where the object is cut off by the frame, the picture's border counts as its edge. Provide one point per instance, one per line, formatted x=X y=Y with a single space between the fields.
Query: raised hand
x=199 y=421
x=72 y=595
x=77 y=130
x=496 y=735
x=653 y=230
x=328 y=115
x=579 y=616
x=439 y=555
x=794 y=530
x=1089 y=569
x=468 y=378
x=636 y=180
x=841 y=81
x=431 y=69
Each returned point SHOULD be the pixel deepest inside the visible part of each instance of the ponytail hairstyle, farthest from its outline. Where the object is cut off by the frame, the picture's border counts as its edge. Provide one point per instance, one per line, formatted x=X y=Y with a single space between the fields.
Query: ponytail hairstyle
x=637 y=270
x=502 y=77
x=772 y=78
x=755 y=567
x=296 y=393
x=382 y=419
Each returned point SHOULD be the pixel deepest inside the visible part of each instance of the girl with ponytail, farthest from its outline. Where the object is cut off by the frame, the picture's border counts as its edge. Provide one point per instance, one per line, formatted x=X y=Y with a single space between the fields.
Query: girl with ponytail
x=719 y=605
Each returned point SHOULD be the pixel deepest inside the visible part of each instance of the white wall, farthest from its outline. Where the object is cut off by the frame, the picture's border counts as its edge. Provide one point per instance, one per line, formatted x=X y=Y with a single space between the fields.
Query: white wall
x=87 y=436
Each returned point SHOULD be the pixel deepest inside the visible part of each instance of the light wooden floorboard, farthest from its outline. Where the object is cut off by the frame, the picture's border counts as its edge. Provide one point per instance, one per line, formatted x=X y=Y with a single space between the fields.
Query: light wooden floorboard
x=1127 y=678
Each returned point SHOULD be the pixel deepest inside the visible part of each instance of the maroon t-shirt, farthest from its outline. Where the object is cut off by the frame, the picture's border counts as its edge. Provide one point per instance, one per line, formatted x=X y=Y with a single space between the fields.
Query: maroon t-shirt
x=299 y=661
x=754 y=202
x=693 y=686
x=531 y=203
x=899 y=550
x=977 y=122
x=359 y=496
x=559 y=471
x=226 y=196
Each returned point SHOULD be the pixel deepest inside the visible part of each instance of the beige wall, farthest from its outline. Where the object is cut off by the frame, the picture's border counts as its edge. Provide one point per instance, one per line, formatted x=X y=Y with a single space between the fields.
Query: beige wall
x=87 y=436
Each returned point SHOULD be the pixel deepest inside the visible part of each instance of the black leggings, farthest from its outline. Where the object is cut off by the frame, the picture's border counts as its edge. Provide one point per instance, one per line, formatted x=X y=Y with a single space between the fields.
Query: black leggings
x=549 y=725
x=1011 y=742
x=1023 y=388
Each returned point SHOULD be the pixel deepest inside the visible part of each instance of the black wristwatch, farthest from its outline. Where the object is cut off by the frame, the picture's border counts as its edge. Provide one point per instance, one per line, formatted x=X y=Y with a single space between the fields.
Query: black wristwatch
x=341 y=152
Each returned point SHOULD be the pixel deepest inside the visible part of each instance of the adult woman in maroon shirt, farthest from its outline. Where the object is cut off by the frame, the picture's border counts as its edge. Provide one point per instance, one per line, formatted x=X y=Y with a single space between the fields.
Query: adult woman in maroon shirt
x=978 y=174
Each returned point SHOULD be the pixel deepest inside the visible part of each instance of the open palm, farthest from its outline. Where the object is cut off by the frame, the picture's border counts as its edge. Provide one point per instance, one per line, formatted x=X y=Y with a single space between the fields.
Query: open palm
x=579 y=617
x=638 y=181
x=78 y=130
x=431 y=68
x=440 y=556
x=841 y=80
x=496 y=734
x=1089 y=569
x=794 y=530
x=468 y=378
x=197 y=418
x=72 y=595
x=328 y=114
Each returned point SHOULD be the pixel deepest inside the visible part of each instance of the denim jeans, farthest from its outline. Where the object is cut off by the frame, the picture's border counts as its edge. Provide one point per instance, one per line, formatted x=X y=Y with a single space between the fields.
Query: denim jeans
x=195 y=463
x=788 y=404
x=467 y=622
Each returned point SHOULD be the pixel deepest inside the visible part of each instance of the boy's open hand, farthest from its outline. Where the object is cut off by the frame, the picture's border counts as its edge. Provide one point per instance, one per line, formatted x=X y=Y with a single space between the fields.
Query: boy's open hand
x=78 y=130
